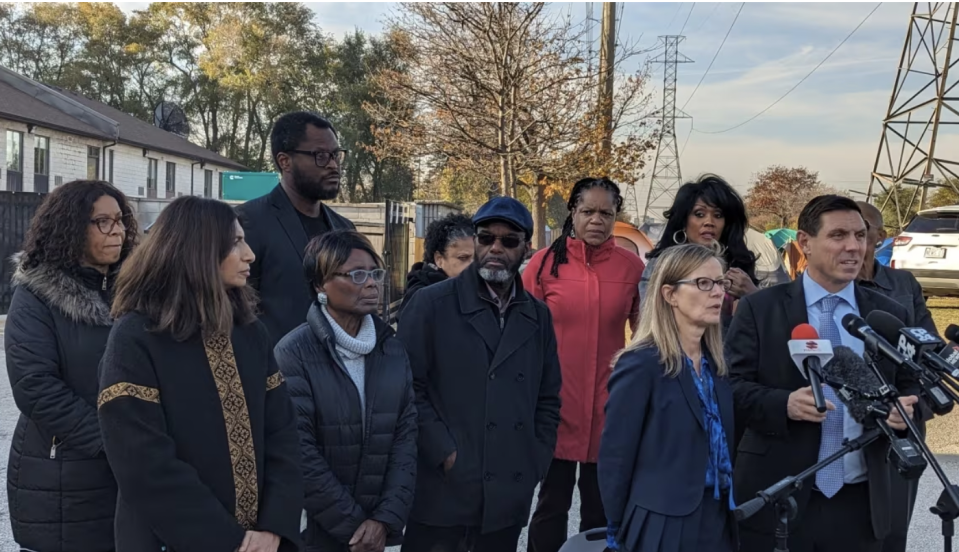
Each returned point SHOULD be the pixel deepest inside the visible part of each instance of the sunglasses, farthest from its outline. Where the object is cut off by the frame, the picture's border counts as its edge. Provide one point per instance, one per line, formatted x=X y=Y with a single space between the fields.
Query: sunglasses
x=509 y=242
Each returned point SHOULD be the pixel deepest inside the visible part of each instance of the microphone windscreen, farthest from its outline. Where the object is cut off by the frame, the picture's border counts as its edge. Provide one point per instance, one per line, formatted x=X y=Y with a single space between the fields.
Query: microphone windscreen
x=886 y=325
x=805 y=332
x=952 y=333
x=849 y=369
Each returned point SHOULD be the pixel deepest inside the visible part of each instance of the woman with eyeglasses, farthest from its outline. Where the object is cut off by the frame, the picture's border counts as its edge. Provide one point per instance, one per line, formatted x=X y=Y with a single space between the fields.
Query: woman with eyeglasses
x=350 y=380
x=196 y=419
x=665 y=460
x=61 y=493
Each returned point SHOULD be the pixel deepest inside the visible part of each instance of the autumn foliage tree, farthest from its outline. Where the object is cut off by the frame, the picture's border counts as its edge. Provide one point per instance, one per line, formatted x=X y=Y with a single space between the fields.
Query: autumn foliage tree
x=503 y=94
x=778 y=194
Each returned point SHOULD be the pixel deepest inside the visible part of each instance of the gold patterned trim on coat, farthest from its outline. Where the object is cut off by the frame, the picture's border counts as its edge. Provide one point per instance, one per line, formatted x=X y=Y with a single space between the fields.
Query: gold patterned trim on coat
x=236 y=416
x=274 y=381
x=124 y=389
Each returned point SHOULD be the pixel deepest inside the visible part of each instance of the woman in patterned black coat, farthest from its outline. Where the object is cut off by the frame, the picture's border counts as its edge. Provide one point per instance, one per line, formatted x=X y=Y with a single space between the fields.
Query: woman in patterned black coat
x=196 y=420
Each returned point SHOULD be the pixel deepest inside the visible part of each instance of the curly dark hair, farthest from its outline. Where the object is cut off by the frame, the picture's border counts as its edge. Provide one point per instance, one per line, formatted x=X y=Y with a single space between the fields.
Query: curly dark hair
x=58 y=232
x=558 y=247
x=717 y=193
x=441 y=233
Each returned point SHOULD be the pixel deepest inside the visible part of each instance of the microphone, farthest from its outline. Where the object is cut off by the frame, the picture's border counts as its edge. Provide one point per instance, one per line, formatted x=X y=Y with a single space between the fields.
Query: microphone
x=939 y=398
x=951 y=333
x=950 y=356
x=857 y=327
x=853 y=382
x=809 y=353
x=848 y=372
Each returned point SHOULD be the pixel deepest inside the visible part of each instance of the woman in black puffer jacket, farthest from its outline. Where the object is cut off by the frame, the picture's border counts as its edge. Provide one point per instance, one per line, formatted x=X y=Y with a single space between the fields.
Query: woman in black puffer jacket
x=448 y=250
x=61 y=492
x=351 y=384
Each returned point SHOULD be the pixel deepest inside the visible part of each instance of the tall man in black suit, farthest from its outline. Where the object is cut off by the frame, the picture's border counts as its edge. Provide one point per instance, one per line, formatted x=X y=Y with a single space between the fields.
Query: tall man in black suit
x=846 y=508
x=278 y=226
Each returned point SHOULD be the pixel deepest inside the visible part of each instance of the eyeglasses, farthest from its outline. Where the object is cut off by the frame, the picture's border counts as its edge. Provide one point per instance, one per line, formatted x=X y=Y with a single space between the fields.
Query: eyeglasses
x=359 y=275
x=707 y=284
x=106 y=225
x=509 y=242
x=323 y=158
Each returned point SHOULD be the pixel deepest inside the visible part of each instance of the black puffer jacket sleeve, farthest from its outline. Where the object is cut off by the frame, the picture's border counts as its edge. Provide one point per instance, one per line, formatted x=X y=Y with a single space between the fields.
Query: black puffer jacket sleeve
x=33 y=366
x=326 y=500
x=394 y=507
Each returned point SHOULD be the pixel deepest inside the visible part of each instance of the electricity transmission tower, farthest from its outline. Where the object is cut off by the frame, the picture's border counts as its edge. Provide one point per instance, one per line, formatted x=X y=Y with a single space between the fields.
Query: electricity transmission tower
x=667 y=176
x=923 y=103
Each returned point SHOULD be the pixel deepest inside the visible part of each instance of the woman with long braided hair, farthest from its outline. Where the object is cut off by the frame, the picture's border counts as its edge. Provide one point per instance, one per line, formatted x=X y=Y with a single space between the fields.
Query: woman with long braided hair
x=591 y=287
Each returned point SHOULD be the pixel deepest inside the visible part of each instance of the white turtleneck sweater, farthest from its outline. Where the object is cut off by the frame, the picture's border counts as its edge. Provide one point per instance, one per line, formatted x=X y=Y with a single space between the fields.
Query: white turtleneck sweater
x=353 y=351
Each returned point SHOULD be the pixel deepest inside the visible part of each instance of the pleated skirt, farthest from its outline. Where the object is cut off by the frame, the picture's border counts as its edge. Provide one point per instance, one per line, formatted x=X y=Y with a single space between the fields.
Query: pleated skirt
x=707 y=529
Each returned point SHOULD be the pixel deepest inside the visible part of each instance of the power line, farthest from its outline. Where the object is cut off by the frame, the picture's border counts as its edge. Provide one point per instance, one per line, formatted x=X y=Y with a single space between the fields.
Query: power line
x=720 y=49
x=678 y=8
x=708 y=17
x=688 y=15
x=834 y=50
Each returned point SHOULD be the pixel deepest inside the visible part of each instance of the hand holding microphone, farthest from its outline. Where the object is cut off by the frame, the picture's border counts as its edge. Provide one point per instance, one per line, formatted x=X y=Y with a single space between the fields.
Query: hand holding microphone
x=809 y=353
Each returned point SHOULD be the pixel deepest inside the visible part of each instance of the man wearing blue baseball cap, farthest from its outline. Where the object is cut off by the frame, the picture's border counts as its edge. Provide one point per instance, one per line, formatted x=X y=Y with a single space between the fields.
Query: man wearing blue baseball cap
x=487 y=378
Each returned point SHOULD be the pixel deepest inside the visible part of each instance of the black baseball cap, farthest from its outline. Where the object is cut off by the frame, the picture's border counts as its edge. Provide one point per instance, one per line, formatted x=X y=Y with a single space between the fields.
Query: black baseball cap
x=508 y=210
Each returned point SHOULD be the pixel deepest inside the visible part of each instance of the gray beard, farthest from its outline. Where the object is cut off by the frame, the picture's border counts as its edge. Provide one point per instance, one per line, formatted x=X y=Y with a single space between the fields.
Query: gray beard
x=500 y=276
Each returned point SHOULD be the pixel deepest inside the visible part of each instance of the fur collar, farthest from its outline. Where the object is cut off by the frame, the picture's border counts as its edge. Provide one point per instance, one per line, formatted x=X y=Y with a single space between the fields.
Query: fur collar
x=58 y=289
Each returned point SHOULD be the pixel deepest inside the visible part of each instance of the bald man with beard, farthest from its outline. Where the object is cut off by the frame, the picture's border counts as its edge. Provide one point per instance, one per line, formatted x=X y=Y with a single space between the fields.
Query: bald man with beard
x=902 y=287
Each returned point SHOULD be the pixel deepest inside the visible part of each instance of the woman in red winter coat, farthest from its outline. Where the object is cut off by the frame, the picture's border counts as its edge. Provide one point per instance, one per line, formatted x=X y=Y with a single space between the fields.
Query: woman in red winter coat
x=591 y=287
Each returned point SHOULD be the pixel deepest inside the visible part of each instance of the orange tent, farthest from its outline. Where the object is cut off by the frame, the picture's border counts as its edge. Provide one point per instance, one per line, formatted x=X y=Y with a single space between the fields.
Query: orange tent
x=632 y=238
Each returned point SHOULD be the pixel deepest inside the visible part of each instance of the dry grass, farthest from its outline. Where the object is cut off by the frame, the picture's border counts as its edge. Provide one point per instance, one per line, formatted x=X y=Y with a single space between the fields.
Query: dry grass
x=942 y=433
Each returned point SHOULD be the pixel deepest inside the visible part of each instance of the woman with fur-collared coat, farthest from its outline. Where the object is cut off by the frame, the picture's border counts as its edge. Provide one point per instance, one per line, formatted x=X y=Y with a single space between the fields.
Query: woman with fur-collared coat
x=61 y=492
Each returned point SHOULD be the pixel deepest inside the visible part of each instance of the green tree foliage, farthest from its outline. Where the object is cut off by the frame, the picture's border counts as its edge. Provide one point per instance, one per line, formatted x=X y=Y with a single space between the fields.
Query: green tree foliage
x=234 y=67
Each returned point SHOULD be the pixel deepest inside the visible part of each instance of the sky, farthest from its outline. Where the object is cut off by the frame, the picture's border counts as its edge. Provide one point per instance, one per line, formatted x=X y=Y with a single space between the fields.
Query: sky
x=832 y=123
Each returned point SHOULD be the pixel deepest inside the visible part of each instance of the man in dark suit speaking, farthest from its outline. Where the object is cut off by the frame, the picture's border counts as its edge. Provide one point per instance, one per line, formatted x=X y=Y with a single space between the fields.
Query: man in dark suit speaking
x=846 y=508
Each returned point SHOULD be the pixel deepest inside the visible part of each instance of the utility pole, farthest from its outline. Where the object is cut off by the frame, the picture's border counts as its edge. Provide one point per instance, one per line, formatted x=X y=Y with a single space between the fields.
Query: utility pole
x=607 y=62
x=922 y=103
x=667 y=176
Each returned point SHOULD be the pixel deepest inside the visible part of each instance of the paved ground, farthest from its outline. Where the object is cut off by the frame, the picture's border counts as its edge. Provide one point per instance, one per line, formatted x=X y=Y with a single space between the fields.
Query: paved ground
x=925 y=533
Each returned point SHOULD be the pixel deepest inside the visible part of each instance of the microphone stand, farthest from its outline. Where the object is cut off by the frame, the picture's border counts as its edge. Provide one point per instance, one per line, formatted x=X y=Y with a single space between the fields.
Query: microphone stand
x=780 y=494
x=947 y=507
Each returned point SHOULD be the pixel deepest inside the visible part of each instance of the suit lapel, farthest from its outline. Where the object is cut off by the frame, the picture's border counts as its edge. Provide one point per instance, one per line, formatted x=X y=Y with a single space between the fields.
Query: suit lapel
x=520 y=327
x=795 y=304
x=692 y=397
x=285 y=213
x=724 y=396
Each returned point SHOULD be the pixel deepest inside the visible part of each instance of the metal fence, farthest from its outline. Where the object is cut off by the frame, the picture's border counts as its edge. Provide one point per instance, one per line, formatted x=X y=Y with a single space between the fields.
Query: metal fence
x=396 y=256
x=16 y=212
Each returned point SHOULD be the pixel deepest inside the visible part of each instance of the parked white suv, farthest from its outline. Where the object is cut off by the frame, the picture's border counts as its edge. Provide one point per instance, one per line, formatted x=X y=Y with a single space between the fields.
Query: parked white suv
x=929 y=249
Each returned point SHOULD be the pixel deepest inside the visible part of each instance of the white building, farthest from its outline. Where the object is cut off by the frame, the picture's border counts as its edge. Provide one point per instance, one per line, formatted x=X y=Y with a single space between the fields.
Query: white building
x=50 y=136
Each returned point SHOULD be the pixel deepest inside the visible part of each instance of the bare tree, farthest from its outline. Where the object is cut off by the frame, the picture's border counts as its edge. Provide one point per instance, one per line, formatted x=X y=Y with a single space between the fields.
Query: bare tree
x=501 y=89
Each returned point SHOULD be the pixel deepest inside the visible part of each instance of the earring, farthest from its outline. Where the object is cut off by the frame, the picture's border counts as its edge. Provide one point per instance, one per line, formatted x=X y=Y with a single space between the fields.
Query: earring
x=676 y=240
x=322 y=298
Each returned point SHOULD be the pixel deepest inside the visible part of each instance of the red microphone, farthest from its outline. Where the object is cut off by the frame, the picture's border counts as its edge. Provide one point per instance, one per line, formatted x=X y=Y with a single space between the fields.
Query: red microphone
x=809 y=353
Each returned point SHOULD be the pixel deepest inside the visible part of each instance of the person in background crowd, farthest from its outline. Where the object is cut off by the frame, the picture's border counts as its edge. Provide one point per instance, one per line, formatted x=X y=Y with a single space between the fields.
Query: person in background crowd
x=665 y=460
x=902 y=287
x=353 y=390
x=448 y=250
x=307 y=154
x=710 y=211
x=848 y=506
x=487 y=382
x=196 y=420
x=61 y=493
x=591 y=288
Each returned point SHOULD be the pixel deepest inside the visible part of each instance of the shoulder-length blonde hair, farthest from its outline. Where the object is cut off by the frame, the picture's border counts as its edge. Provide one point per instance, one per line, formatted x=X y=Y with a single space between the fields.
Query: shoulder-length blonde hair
x=657 y=323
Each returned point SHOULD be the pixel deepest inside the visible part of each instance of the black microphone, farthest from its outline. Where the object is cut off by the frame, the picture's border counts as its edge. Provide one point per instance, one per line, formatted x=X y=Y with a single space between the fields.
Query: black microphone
x=950 y=356
x=858 y=328
x=939 y=398
x=855 y=384
x=951 y=333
